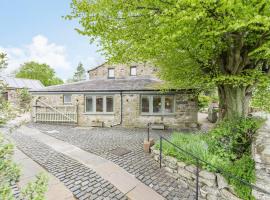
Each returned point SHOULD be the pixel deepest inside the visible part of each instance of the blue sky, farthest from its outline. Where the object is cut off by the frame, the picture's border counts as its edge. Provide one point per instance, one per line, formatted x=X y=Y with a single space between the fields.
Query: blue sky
x=35 y=30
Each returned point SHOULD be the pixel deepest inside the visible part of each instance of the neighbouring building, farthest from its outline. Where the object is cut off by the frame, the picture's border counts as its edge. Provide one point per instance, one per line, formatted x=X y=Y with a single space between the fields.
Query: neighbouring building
x=14 y=85
x=123 y=95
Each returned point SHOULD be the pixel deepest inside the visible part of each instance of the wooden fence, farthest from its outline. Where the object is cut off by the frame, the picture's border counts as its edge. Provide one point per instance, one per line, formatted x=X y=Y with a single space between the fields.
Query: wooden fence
x=55 y=114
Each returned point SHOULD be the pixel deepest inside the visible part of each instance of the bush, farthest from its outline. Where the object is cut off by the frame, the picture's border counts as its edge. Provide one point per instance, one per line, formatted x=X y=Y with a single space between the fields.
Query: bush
x=227 y=147
x=36 y=190
x=25 y=99
x=10 y=172
x=203 y=101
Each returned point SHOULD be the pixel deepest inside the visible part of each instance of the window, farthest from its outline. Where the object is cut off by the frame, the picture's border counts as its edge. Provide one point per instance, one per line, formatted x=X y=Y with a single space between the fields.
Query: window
x=67 y=98
x=169 y=101
x=88 y=104
x=109 y=104
x=110 y=72
x=145 y=104
x=133 y=71
x=157 y=104
x=101 y=104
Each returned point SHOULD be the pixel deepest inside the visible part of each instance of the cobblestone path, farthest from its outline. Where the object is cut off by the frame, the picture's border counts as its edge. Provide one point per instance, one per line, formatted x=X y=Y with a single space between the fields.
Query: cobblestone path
x=101 y=141
x=82 y=181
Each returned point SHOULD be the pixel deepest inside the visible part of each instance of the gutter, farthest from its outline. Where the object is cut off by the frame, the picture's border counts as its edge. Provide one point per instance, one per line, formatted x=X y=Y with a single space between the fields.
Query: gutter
x=121 y=113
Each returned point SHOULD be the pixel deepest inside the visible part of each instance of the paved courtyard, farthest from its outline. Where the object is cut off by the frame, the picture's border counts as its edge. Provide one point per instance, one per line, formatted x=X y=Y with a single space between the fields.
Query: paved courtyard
x=102 y=141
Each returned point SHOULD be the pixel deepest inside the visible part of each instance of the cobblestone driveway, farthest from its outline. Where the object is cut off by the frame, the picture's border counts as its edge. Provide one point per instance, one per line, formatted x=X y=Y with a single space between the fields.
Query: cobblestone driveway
x=83 y=182
x=102 y=140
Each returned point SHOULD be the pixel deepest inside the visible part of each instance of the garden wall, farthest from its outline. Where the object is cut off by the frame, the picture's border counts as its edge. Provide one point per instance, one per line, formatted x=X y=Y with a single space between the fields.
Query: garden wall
x=261 y=155
x=213 y=186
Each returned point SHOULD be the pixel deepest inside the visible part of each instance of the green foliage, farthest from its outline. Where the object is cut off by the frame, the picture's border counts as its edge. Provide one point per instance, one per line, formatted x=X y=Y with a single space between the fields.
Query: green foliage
x=244 y=168
x=3 y=61
x=228 y=147
x=232 y=138
x=204 y=101
x=42 y=72
x=80 y=73
x=196 y=44
x=261 y=99
x=24 y=98
x=8 y=170
x=36 y=190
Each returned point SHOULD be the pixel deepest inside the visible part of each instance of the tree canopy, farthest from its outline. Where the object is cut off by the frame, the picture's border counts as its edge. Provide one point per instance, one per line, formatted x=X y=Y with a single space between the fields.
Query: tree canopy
x=195 y=43
x=42 y=72
x=79 y=74
x=3 y=61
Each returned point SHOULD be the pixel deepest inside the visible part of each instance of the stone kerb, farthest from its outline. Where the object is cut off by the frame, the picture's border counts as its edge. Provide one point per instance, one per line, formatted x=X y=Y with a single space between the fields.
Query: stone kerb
x=261 y=156
x=213 y=186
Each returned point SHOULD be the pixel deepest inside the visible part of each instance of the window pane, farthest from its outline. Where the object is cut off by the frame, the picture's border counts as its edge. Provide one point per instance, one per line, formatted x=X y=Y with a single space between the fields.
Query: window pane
x=156 y=104
x=169 y=104
x=67 y=98
x=111 y=73
x=133 y=71
x=89 y=104
x=109 y=104
x=99 y=104
x=145 y=104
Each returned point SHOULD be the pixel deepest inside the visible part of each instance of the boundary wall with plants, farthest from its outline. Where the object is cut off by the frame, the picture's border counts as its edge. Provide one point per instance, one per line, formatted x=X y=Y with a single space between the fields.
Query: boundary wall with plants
x=212 y=185
x=261 y=156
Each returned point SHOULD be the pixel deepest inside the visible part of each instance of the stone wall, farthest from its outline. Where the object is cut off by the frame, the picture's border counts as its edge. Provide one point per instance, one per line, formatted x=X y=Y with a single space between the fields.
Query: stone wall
x=212 y=186
x=261 y=155
x=185 y=116
x=122 y=71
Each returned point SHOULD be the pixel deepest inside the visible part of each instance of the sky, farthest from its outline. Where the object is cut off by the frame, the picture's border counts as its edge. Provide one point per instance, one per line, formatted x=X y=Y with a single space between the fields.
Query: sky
x=34 y=30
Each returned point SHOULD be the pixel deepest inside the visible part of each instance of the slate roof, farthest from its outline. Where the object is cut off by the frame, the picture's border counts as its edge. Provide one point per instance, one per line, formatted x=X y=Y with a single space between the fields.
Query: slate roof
x=19 y=83
x=129 y=84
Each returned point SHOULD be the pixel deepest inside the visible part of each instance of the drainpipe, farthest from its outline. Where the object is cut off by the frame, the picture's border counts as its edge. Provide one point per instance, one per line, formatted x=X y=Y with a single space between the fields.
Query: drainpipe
x=121 y=112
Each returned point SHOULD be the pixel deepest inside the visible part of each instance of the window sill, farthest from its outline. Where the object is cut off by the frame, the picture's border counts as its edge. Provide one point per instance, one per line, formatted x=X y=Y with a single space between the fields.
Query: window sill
x=158 y=114
x=97 y=113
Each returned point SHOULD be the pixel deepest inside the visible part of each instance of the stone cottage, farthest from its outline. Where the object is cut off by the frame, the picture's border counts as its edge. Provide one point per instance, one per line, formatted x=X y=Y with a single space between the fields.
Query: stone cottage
x=124 y=95
x=14 y=85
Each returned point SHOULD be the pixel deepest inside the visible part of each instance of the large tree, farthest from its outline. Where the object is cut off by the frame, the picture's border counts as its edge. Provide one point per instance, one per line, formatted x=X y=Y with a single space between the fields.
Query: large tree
x=196 y=43
x=80 y=73
x=42 y=72
x=3 y=61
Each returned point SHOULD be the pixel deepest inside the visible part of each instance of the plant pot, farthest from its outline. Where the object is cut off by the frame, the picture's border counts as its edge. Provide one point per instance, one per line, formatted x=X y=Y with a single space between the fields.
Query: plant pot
x=151 y=140
x=146 y=146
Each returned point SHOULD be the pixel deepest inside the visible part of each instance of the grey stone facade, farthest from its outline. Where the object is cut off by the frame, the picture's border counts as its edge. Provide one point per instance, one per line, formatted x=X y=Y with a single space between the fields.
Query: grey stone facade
x=127 y=92
x=261 y=156
x=123 y=70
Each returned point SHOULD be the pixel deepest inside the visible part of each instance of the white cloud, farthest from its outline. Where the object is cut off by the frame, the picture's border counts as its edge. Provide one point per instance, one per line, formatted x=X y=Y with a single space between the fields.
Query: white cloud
x=42 y=51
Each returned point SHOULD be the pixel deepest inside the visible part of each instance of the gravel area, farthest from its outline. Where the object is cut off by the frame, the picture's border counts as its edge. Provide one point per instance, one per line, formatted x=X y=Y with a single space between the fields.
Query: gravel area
x=102 y=141
x=82 y=181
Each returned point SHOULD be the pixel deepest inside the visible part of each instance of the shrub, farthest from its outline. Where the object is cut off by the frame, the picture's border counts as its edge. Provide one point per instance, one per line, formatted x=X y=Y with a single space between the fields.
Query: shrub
x=203 y=101
x=232 y=138
x=227 y=147
x=36 y=190
x=10 y=172
x=24 y=98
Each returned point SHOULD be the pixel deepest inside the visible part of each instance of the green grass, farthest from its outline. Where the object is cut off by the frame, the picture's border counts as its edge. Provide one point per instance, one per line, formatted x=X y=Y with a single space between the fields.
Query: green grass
x=228 y=147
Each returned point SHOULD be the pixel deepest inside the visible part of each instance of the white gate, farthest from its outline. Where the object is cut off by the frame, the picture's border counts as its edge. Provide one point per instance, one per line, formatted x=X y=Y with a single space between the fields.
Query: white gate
x=44 y=112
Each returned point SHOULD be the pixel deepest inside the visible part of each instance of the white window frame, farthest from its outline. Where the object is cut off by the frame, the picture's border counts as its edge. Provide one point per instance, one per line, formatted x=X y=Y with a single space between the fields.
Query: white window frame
x=163 y=112
x=133 y=67
x=67 y=102
x=94 y=104
x=111 y=77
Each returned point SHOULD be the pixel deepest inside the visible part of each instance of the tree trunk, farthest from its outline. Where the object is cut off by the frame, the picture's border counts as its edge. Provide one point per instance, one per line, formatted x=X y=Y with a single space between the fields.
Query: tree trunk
x=233 y=101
